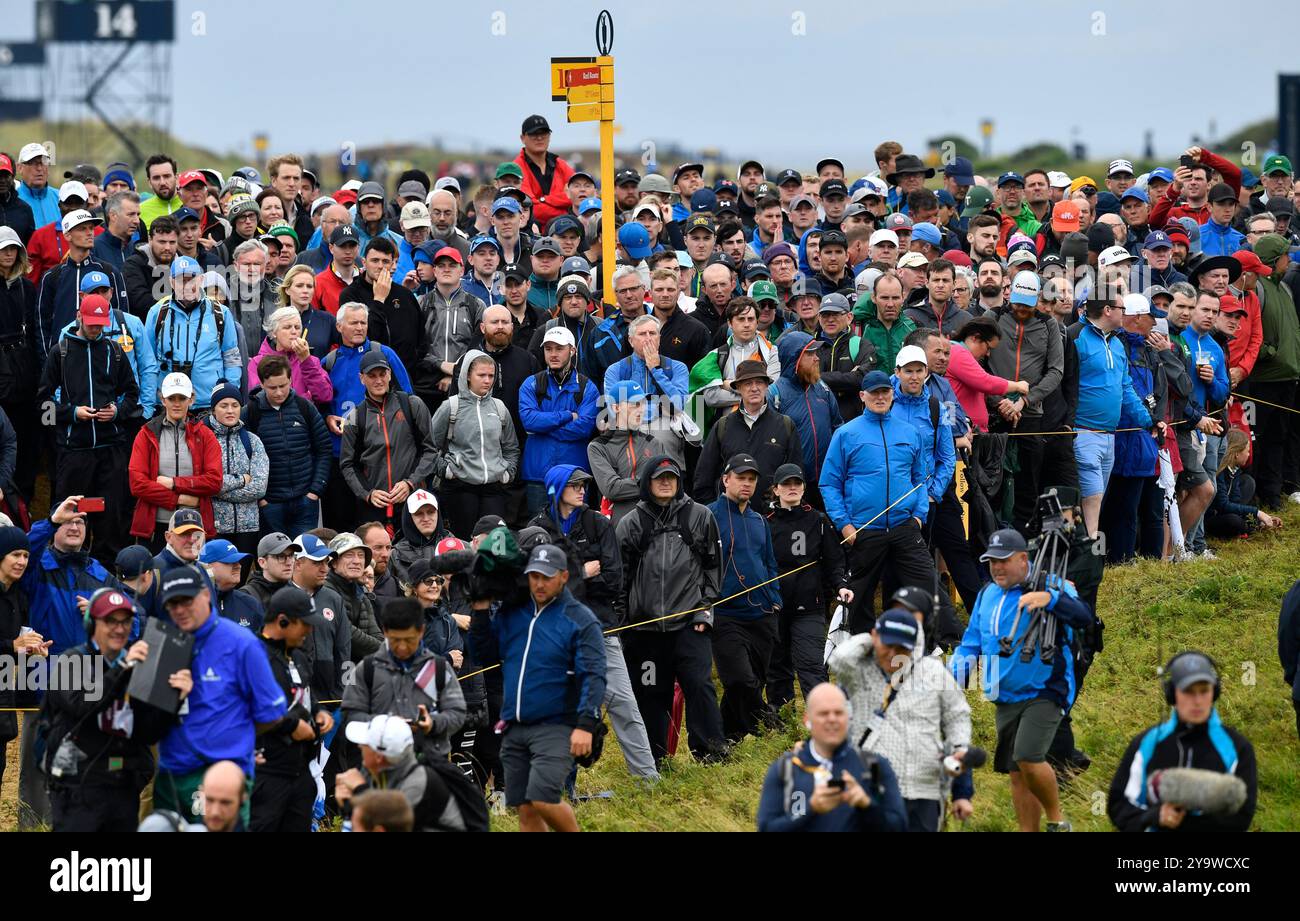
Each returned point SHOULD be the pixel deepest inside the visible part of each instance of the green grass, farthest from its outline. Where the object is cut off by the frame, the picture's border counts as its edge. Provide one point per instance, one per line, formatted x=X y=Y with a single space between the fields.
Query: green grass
x=1228 y=608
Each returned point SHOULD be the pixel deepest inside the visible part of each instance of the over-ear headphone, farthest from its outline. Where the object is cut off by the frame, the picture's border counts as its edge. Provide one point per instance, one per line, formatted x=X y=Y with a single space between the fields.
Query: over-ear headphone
x=87 y=621
x=1167 y=678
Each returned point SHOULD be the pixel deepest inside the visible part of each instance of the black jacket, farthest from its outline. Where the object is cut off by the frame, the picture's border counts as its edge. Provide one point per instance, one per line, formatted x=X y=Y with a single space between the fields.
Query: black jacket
x=591 y=538
x=241 y=608
x=13 y=617
x=261 y=588
x=684 y=338
x=286 y=756
x=773 y=440
x=94 y=373
x=366 y=635
x=1189 y=747
x=146 y=283
x=18 y=312
x=799 y=536
x=843 y=373
x=16 y=213
x=298 y=445
x=397 y=323
x=1060 y=404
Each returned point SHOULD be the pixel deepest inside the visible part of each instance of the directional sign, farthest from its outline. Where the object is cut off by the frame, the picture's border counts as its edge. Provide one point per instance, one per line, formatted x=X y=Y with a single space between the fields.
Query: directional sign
x=584 y=94
x=585 y=113
x=582 y=76
x=559 y=68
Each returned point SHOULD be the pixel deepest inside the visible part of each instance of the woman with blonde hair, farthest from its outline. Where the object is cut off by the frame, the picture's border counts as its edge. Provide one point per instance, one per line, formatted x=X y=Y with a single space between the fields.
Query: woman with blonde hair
x=1231 y=514
x=296 y=290
x=284 y=335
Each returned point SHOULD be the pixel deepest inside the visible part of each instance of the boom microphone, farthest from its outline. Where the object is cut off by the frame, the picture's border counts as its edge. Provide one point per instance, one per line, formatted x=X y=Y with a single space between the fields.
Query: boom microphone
x=452 y=562
x=1199 y=790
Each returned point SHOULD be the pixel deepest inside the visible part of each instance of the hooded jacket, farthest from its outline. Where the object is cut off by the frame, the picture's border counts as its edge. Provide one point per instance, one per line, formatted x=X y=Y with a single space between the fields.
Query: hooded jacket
x=146 y=281
x=94 y=373
x=234 y=509
x=189 y=338
x=483 y=447
x=555 y=436
x=748 y=560
x=872 y=463
x=617 y=457
x=44 y=204
x=1211 y=395
x=127 y=330
x=846 y=359
x=451 y=326
x=1136 y=452
x=1031 y=351
x=923 y=315
x=53 y=581
x=672 y=575
x=671 y=379
x=925 y=412
x=1104 y=386
x=392 y=448
x=413 y=547
x=814 y=410
x=1279 y=353
x=344 y=369
x=366 y=635
x=803 y=535
x=16 y=213
x=151 y=495
x=399 y=688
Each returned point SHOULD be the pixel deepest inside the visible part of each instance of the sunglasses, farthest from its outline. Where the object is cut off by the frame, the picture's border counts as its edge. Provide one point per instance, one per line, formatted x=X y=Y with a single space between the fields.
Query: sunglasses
x=431 y=581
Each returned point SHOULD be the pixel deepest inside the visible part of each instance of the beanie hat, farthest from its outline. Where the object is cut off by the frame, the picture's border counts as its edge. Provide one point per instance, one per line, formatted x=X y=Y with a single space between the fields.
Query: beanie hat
x=226 y=391
x=12 y=539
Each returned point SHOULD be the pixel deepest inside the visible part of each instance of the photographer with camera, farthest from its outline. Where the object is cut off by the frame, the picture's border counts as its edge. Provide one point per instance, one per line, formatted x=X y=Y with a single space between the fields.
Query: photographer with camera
x=825 y=784
x=1190 y=773
x=907 y=708
x=1020 y=633
x=552 y=659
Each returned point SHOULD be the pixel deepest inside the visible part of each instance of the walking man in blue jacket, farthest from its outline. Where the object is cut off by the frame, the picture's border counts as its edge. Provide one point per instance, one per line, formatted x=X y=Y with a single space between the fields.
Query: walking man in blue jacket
x=552 y=659
x=744 y=628
x=874 y=484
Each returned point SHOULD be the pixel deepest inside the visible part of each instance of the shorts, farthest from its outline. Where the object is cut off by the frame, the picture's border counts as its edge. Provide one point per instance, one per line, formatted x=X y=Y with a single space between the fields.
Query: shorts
x=1094 y=455
x=1193 y=457
x=536 y=761
x=1025 y=732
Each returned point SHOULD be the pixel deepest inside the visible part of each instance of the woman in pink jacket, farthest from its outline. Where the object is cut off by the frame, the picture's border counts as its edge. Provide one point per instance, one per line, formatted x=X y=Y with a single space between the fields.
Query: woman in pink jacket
x=970 y=382
x=284 y=335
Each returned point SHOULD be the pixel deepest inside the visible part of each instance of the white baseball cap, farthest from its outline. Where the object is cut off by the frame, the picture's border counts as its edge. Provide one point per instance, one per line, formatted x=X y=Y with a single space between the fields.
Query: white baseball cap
x=1114 y=255
x=1058 y=180
x=388 y=735
x=866 y=279
x=1120 y=166
x=645 y=206
x=419 y=499
x=176 y=384
x=32 y=151
x=871 y=185
x=9 y=237
x=909 y=354
x=559 y=334
x=883 y=236
x=1136 y=305
x=912 y=261
x=73 y=189
x=415 y=214
x=1024 y=289
x=77 y=218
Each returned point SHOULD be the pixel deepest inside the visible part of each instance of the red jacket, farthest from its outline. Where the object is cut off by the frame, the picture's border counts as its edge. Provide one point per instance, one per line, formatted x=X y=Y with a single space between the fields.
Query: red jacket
x=1244 y=347
x=328 y=288
x=205 y=453
x=551 y=202
x=46 y=249
x=1168 y=207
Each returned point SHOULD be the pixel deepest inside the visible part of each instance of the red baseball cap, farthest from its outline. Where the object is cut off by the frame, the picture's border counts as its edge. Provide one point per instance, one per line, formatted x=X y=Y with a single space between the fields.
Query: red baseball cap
x=95 y=310
x=6 y=165
x=957 y=257
x=105 y=601
x=1250 y=262
x=1229 y=303
x=190 y=175
x=1065 y=216
x=449 y=252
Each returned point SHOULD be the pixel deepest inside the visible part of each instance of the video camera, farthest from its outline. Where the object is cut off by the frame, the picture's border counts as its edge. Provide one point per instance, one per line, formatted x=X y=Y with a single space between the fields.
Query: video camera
x=1050 y=557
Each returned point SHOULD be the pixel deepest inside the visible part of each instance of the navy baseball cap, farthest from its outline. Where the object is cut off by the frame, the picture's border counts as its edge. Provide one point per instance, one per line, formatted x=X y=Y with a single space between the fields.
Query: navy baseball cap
x=186 y=214
x=547 y=560
x=92 y=280
x=343 y=234
x=1003 y=544
x=133 y=562
x=791 y=175
x=945 y=198
x=960 y=171
x=876 y=380
x=915 y=599
x=1010 y=177
x=897 y=627
x=181 y=582
x=1157 y=239
x=703 y=200
x=185 y=519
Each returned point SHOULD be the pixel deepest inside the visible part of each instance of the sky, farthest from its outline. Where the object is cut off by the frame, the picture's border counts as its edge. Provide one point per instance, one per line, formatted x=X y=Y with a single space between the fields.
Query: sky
x=786 y=82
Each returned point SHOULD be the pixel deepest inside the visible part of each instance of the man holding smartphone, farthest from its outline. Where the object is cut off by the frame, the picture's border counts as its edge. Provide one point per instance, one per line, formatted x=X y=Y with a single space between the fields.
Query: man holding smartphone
x=89 y=385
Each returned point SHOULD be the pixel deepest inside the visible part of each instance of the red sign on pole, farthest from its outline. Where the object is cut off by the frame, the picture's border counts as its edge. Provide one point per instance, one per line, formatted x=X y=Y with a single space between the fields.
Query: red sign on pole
x=582 y=76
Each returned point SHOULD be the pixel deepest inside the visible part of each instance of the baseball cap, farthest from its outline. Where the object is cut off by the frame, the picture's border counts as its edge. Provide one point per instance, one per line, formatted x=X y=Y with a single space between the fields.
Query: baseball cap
x=897 y=627
x=923 y=231
x=834 y=187
x=187 y=213
x=653 y=182
x=977 y=199
x=77 y=218
x=1190 y=668
x=181 y=582
x=1083 y=182
x=1160 y=174
x=909 y=355
x=535 y=124
x=176 y=384
x=1003 y=544
x=945 y=198
x=370 y=190
x=73 y=189
x=741 y=463
x=448 y=544
x=185 y=265
x=883 y=236
x=665 y=466
x=486 y=524
x=800 y=200
x=221 y=551
x=133 y=561
x=1157 y=239
x=449 y=252
x=321 y=202
x=834 y=237
x=876 y=380
x=412 y=188
x=624 y=177
x=578 y=476
x=274 y=544
x=912 y=261
x=1155 y=291
x=1113 y=255
x=509 y=168
x=763 y=290
x=415 y=214
x=635 y=239
x=703 y=200
x=1025 y=289
x=1276 y=163
x=95 y=311
x=914 y=599
x=343 y=235
x=547 y=560
x=699 y=222
x=960 y=171
x=628 y=391
x=514 y=270
x=1136 y=305
x=1120 y=166
x=92 y=280
x=1230 y=304
x=1023 y=255
x=1065 y=216
x=957 y=258
x=190 y=175
x=311 y=547
x=563 y=223
x=506 y=203
x=574 y=265
x=835 y=303
x=787 y=472
x=1009 y=177
x=31 y=152
x=374 y=358
x=419 y=499
x=1135 y=192
x=295 y=604
x=560 y=335
x=1251 y=263
x=1222 y=192
x=185 y=519
x=793 y=175
x=686 y=167
x=386 y=735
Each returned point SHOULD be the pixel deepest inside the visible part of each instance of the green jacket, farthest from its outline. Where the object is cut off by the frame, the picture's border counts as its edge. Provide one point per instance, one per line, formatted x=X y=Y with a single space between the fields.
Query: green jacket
x=1279 y=353
x=887 y=341
x=1025 y=220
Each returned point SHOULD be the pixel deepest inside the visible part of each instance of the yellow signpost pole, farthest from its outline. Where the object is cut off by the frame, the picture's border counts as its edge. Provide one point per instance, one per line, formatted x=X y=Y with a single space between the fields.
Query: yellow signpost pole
x=607 y=184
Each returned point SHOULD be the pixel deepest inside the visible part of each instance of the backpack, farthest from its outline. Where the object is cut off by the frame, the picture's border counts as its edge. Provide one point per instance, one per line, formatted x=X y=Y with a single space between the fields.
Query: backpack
x=218 y=314
x=655 y=528
x=541 y=385
x=254 y=419
x=330 y=360
x=245 y=437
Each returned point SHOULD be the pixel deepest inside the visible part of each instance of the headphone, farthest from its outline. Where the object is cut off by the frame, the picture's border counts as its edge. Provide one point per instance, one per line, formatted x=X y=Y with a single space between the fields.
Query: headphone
x=1167 y=680
x=89 y=622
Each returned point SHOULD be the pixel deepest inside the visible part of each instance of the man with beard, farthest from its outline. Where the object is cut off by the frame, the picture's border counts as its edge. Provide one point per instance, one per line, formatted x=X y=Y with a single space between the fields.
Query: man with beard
x=375 y=536
x=683 y=338
x=1038 y=194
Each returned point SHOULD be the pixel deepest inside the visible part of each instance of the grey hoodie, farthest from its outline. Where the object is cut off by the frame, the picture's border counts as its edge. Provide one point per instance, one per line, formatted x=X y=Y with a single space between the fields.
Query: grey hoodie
x=483 y=448
x=1034 y=353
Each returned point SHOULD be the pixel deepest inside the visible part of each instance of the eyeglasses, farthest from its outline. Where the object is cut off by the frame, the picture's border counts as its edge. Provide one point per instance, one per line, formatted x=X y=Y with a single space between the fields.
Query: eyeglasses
x=431 y=581
x=118 y=623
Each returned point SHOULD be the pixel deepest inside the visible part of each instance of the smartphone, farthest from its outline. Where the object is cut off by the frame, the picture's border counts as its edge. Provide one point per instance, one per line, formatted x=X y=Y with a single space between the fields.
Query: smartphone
x=1186 y=161
x=90 y=505
x=835 y=783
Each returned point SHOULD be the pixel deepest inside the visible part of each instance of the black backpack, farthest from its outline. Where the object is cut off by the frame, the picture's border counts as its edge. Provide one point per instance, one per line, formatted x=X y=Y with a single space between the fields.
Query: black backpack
x=651 y=527
x=541 y=385
x=218 y=314
x=330 y=360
